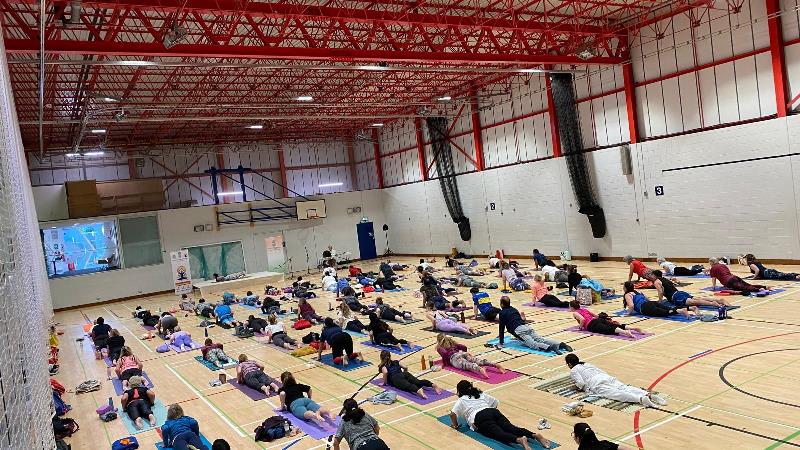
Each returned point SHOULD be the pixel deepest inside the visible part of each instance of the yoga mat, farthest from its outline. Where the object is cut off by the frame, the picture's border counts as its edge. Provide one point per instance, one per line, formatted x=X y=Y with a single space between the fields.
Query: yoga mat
x=514 y=344
x=637 y=336
x=543 y=306
x=407 y=322
x=491 y=443
x=714 y=308
x=195 y=346
x=118 y=383
x=355 y=334
x=459 y=309
x=209 y=365
x=699 y=275
x=147 y=327
x=249 y=392
x=432 y=395
x=328 y=361
x=458 y=335
x=159 y=411
x=406 y=349
x=160 y=445
x=311 y=428
x=495 y=377
x=674 y=318
x=564 y=386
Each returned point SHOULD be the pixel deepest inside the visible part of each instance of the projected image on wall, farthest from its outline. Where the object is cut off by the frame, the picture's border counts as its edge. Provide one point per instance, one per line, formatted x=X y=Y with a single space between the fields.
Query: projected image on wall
x=80 y=248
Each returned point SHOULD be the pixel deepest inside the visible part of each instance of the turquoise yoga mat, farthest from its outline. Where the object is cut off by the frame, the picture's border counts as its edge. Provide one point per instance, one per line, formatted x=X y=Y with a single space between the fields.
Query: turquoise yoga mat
x=160 y=445
x=491 y=443
x=159 y=410
x=515 y=344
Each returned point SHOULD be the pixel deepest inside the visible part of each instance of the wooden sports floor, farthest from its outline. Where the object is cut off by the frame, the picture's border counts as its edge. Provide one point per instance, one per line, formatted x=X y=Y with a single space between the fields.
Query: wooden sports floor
x=731 y=384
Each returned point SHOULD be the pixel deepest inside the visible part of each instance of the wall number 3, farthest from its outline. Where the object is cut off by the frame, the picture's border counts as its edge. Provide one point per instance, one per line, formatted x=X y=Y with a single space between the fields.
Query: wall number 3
x=659 y=190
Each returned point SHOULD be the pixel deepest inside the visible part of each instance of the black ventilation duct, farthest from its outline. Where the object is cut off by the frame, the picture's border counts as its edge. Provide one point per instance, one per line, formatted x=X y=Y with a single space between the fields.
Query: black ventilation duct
x=437 y=134
x=569 y=130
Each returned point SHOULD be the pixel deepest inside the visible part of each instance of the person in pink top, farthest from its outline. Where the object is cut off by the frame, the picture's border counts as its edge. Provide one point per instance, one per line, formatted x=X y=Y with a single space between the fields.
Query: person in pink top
x=721 y=272
x=600 y=324
x=456 y=355
x=128 y=366
x=638 y=268
x=541 y=293
x=443 y=322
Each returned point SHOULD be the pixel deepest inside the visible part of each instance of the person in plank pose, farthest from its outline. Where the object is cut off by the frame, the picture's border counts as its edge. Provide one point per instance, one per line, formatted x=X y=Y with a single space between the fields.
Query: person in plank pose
x=514 y=321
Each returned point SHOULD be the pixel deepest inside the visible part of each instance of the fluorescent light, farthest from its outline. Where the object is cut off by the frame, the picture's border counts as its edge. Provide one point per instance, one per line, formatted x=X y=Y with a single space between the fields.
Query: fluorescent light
x=71 y=155
x=330 y=184
x=223 y=194
x=531 y=71
x=97 y=153
x=377 y=124
x=255 y=127
x=305 y=98
x=98 y=131
x=110 y=99
x=373 y=68
x=446 y=98
x=136 y=63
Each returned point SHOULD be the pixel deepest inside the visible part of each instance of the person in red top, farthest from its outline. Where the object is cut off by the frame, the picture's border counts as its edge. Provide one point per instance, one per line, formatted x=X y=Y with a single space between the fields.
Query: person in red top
x=601 y=324
x=722 y=273
x=354 y=271
x=638 y=268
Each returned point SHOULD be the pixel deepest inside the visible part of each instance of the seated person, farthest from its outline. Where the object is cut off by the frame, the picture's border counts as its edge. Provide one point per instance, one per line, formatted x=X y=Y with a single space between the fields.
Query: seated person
x=386 y=312
x=181 y=340
x=456 y=355
x=636 y=302
x=541 y=293
x=224 y=316
x=204 y=309
x=483 y=305
x=510 y=278
x=347 y=319
x=595 y=382
x=358 y=429
x=251 y=374
x=670 y=294
x=215 y=354
x=721 y=272
x=540 y=261
x=270 y=306
x=257 y=324
x=397 y=375
x=250 y=299
x=128 y=365
x=340 y=343
x=600 y=324
x=180 y=432
x=276 y=333
x=762 y=273
x=669 y=268
x=301 y=406
x=330 y=283
x=380 y=333
x=186 y=303
x=307 y=312
x=137 y=402
x=167 y=324
x=442 y=322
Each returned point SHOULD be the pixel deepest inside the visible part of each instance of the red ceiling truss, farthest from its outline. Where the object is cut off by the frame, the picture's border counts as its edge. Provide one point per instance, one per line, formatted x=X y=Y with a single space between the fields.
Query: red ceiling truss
x=245 y=62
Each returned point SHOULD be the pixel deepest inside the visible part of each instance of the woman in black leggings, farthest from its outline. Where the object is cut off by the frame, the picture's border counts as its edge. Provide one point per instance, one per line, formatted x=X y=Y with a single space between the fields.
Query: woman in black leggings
x=137 y=402
x=381 y=333
x=340 y=343
x=488 y=420
x=397 y=375
x=636 y=301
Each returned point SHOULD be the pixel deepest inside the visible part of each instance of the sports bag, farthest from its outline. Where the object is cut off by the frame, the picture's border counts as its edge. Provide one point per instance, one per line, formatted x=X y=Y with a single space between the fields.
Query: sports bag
x=126 y=443
x=64 y=427
x=272 y=428
x=584 y=295
x=301 y=324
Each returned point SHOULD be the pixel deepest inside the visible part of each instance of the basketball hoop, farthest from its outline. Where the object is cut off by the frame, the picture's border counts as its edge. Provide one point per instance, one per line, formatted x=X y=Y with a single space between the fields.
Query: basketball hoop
x=312 y=216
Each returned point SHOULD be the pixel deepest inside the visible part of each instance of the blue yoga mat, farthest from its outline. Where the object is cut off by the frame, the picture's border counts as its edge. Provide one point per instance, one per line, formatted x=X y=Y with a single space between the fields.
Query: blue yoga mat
x=160 y=445
x=159 y=410
x=328 y=361
x=674 y=318
x=491 y=443
x=515 y=344
x=699 y=275
x=406 y=349
x=208 y=364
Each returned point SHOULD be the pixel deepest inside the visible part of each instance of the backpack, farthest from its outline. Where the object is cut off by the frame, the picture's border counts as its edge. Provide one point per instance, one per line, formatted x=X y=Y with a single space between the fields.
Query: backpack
x=126 y=443
x=301 y=324
x=311 y=337
x=108 y=416
x=584 y=295
x=87 y=386
x=272 y=428
x=64 y=427
x=61 y=406
x=243 y=332
x=57 y=386
x=61 y=445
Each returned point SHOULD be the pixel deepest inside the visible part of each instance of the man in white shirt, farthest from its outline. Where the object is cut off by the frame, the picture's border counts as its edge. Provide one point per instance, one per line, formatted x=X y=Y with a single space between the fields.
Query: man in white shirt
x=329 y=283
x=329 y=271
x=594 y=381
x=494 y=262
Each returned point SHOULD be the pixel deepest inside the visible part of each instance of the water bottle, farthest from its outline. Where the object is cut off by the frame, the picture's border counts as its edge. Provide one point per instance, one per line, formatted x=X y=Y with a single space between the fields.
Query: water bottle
x=111 y=402
x=721 y=312
x=287 y=427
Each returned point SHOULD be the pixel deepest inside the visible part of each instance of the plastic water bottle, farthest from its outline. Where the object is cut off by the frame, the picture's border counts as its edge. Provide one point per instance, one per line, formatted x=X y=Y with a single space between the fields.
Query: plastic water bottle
x=721 y=312
x=287 y=427
x=111 y=402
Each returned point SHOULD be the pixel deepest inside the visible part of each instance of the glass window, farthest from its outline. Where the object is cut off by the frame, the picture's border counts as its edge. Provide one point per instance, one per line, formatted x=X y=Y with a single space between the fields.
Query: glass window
x=80 y=248
x=140 y=241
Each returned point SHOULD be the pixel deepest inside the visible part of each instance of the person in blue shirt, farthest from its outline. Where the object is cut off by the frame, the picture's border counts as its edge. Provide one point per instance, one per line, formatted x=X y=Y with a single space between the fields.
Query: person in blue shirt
x=224 y=315
x=340 y=342
x=483 y=305
x=179 y=431
x=512 y=320
x=539 y=260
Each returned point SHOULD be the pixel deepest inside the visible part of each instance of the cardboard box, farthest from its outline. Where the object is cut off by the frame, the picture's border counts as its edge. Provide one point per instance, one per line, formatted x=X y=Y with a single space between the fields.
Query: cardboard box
x=84 y=187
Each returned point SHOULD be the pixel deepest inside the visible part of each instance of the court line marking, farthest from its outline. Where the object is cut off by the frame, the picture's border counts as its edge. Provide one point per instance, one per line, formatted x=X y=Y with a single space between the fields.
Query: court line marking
x=208 y=403
x=663 y=422
x=135 y=336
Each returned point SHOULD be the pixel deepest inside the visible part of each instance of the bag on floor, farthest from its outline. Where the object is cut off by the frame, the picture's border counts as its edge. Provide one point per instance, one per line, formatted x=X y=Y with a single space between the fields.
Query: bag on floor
x=301 y=324
x=243 y=332
x=87 y=386
x=384 y=398
x=127 y=443
x=584 y=295
x=272 y=428
x=163 y=348
x=61 y=406
x=58 y=387
x=491 y=286
x=64 y=427
x=311 y=337
x=61 y=445
x=108 y=416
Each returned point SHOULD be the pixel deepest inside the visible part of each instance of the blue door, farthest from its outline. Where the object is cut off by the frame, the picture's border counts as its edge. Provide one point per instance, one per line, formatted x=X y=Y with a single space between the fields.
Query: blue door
x=366 y=240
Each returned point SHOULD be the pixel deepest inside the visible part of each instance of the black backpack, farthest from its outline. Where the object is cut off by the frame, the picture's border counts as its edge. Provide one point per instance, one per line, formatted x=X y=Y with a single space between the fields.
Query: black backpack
x=243 y=332
x=311 y=337
x=64 y=427
x=271 y=428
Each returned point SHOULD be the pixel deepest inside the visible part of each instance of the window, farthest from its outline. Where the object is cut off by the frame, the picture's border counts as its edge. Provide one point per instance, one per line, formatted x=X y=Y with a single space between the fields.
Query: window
x=223 y=259
x=80 y=248
x=140 y=241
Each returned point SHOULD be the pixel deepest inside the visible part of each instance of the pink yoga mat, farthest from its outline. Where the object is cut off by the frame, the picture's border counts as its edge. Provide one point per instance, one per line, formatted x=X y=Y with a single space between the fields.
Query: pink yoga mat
x=432 y=395
x=637 y=336
x=495 y=377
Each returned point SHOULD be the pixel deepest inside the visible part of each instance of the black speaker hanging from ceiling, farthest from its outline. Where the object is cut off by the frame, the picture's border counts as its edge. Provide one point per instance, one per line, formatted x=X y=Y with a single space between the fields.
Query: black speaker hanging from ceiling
x=443 y=156
x=569 y=130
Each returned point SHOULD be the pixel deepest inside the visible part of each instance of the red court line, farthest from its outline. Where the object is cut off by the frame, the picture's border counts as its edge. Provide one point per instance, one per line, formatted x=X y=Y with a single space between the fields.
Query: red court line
x=669 y=372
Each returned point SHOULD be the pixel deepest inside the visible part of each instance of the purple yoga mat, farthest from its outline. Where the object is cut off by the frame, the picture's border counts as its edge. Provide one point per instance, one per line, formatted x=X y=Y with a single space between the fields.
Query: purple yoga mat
x=541 y=305
x=195 y=346
x=432 y=395
x=637 y=336
x=250 y=392
x=118 y=383
x=495 y=377
x=108 y=362
x=310 y=428
x=148 y=327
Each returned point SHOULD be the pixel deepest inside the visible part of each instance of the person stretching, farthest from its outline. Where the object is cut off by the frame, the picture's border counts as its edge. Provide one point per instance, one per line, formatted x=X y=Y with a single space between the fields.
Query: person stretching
x=381 y=333
x=257 y=324
x=347 y=319
x=340 y=342
x=128 y=366
x=586 y=439
x=479 y=409
x=762 y=273
x=224 y=316
x=601 y=324
x=251 y=374
x=670 y=268
x=215 y=354
x=594 y=381
x=442 y=322
x=301 y=406
x=638 y=268
x=456 y=355
x=181 y=340
x=358 y=428
x=483 y=305
x=386 y=312
x=181 y=432
x=276 y=333
x=512 y=320
x=721 y=272
x=307 y=312
x=669 y=293
x=636 y=302
x=397 y=375
x=539 y=260
x=541 y=293
x=137 y=402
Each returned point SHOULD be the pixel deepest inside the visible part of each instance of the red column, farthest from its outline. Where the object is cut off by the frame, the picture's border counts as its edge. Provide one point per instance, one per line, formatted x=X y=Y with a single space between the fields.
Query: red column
x=282 y=165
x=551 y=112
x=776 y=51
x=378 y=165
x=423 y=166
x=630 y=102
x=476 y=129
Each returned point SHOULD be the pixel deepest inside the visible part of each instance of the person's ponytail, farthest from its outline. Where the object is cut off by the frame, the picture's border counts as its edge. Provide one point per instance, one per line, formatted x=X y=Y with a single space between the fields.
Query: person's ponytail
x=585 y=436
x=352 y=412
x=465 y=388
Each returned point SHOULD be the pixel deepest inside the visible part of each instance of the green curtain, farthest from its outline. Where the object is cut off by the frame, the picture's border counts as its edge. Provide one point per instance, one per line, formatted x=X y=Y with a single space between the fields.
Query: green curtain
x=223 y=259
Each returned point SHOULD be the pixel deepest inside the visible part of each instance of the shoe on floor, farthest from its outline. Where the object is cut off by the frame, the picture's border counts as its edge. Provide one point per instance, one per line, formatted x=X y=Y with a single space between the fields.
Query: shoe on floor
x=543 y=424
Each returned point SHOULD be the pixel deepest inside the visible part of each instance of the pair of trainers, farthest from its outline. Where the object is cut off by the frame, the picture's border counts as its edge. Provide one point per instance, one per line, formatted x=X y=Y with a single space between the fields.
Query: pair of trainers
x=653 y=400
x=544 y=424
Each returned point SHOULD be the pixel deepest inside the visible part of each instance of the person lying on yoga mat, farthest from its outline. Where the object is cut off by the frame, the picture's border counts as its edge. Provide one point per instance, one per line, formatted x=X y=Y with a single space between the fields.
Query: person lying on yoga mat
x=251 y=374
x=426 y=266
x=347 y=319
x=479 y=409
x=594 y=381
x=340 y=343
x=465 y=269
x=381 y=333
x=388 y=273
x=137 y=402
x=128 y=366
x=511 y=278
x=443 y=322
x=586 y=439
x=270 y=305
x=636 y=302
x=114 y=343
x=180 y=339
x=180 y=432
x=450 y=262
x=514 y=321
x=99 y=334
x=186 y=303
x=349 y=298
x=456 y=355
x=468 y=281
x=600 y=324
x=358 y=428
x=494 y=262
x=553 y=273
x=762 y=273
x=670 y=268
x=669 y=293
x=721 y=272
x=250 y=299
x=354 y=271
x=386 y=312
x=539 y=260
x=224 y=315
x=205 y=309
x=307 y=312
x=276 y=333
x=541 y=293
x=397 y=375
x=301 y=406
x=638 y=268
x=215 y=354
x=483 y=305
x=329 y=271
x=257 y=324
